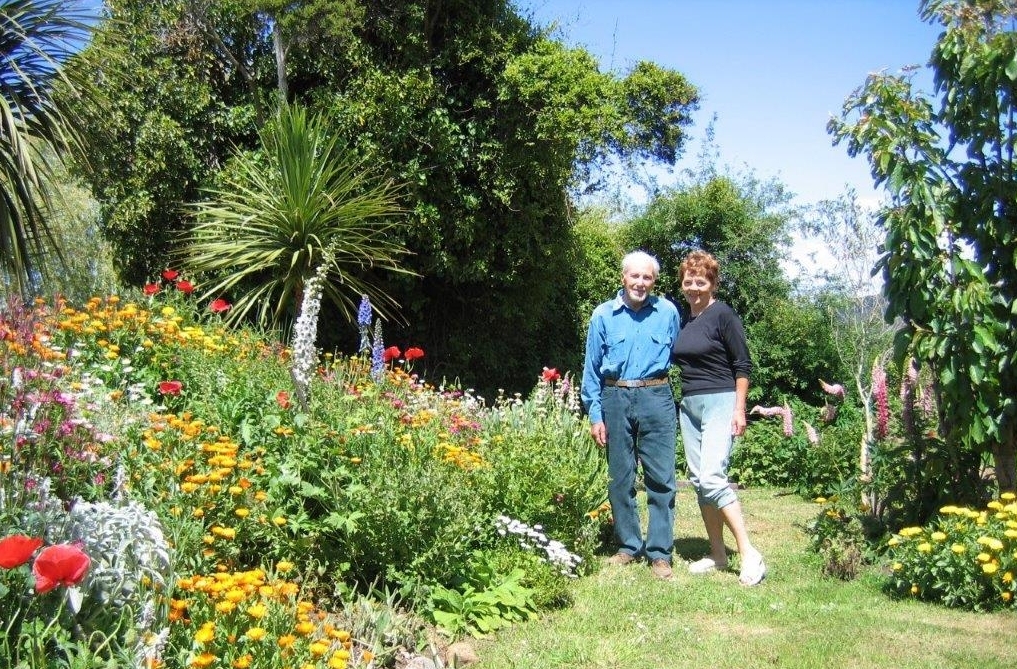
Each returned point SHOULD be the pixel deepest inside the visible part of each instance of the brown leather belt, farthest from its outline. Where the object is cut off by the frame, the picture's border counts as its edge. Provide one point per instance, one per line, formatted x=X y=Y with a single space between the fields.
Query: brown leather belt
x=635 y=383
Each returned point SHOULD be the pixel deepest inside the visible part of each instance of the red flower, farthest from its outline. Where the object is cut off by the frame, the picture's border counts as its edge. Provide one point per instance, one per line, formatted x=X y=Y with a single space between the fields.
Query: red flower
x=413 y=353
x=391 y=353
x=16 y=550
x=185 y=287
x=218 y=305
x=170 y=274
x=170 y=387
x=551 y=375
x=63 y=564
x=282 y=398
x=151 y=289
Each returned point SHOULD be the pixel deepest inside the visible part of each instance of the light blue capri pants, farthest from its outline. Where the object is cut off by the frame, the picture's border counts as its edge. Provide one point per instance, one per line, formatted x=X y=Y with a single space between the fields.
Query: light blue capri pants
x=706 y=434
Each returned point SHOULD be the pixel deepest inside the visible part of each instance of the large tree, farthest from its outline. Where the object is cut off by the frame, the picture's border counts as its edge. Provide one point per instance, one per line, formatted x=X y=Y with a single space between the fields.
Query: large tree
x=950 y=252
x=487 y=120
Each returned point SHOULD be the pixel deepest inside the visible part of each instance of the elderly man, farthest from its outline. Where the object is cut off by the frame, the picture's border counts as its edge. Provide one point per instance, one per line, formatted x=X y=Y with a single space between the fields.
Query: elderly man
x=632 y=411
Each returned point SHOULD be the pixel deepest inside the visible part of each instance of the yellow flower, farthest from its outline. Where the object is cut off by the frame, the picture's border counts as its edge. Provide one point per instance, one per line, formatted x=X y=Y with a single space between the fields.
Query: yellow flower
x=256 y=633
x=287 y=640
x=225 y=606
x=897 y=566
x=820 y=500
x=911 y=531
x=304 y=628
x=893 y=541
x=1006 y=596
x=958 y=548
x=236 y=490
x=205 y=634
x=318 y=648
x=279 y=521
x=939 y=536
x=914 y=588
x=1008 y=496
x=337 y=662
x=283 y=566
x=242 y=512
x=203 y=660
x=983 y=557
x=925 y=547
x=990 y=568
x=1008 y=577
x=257 y=611
x=243 y=662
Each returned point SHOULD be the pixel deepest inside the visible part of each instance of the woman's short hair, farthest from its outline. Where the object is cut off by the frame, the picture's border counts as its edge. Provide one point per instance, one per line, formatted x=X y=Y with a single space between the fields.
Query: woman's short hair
x=640 y=257
x=700 y=263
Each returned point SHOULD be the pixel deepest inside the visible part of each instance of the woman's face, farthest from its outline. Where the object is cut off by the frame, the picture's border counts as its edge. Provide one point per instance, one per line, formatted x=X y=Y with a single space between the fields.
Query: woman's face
x=698 y=290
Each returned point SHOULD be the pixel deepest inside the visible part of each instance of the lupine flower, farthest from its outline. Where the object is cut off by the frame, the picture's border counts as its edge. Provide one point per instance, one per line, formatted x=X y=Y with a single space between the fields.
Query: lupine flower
x=413 y=353
x=17 y=549
x=789 y=426
x=882 y=405
x=835 y=389
x=377 y=353
x=62 y=564
x=364 y=323
x=391 y=353
x=811 y=433
x=767 y=411
x=784 y=412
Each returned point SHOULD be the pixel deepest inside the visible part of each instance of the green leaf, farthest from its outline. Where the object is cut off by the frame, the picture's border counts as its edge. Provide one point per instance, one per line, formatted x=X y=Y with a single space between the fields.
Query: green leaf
x=1011 y=68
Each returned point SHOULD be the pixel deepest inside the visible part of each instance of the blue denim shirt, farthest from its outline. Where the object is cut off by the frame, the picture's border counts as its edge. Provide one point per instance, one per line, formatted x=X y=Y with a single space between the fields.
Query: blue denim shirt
x=626 y=344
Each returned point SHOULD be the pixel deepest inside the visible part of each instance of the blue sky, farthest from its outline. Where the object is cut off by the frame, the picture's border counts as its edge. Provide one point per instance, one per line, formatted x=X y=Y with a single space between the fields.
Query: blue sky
x=773 y=71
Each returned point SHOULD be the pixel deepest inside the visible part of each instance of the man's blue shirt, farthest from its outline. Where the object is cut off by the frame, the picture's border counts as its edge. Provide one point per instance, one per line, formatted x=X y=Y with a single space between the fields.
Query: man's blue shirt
x=626 y=344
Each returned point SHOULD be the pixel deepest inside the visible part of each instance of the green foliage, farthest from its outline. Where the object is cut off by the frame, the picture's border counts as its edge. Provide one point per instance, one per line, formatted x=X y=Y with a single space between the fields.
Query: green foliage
x=965 y=558
x=487 y=602
x=275 y=218
x=950 y=244
x=37 y=39
x=838 y=535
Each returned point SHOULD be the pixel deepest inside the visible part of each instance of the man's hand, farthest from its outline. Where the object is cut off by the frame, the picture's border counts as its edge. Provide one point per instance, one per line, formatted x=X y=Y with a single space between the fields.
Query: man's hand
x=599 y=432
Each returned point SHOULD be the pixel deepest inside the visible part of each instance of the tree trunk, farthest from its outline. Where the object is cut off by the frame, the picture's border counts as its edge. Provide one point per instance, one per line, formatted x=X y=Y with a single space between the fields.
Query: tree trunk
x=1004 y=456
x=280 y=61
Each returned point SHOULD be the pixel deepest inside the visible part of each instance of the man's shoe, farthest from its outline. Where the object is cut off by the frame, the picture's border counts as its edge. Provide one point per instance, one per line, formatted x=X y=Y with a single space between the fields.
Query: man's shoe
x=661 y=569
x=620 y=559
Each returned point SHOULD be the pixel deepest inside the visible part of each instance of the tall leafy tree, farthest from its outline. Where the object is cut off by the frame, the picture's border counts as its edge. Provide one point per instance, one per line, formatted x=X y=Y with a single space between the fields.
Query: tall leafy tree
x=37 y=38
x=279 y=213
x=950 y=248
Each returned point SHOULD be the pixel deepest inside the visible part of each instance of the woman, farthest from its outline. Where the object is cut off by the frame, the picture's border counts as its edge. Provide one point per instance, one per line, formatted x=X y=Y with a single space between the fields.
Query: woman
x=715 y=366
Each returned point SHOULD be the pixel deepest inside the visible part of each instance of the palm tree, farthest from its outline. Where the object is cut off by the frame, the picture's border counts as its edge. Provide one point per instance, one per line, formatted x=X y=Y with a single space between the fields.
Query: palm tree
x=37 y=37
x=300 y=201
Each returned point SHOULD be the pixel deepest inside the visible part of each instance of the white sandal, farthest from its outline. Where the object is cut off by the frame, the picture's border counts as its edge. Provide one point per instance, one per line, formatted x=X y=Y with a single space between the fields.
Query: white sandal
x=753 y=570
x=706 y=565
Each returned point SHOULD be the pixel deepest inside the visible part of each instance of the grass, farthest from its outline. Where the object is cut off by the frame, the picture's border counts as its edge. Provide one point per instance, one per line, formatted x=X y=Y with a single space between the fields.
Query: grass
x=623 y=617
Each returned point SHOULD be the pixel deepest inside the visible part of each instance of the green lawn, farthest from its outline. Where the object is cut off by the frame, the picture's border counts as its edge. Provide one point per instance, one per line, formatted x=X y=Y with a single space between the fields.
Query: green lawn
x=623 y=617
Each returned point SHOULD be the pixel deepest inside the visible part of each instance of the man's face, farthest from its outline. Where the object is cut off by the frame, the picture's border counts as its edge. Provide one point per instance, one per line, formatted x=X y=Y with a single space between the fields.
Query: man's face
x=637 y=282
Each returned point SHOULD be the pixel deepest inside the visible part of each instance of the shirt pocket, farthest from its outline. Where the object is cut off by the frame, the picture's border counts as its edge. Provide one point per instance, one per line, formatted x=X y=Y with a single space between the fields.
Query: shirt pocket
x=662 y=342
x=615 y=351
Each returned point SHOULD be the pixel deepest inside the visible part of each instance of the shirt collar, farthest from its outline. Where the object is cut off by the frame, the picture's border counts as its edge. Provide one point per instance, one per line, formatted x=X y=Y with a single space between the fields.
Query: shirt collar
x=619 y=301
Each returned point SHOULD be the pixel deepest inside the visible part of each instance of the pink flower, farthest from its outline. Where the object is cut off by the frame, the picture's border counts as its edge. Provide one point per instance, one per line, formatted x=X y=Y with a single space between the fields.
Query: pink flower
x=218 y=305
x=391 y=353
x=882 y=403
x=834 y=389
x=151 y=289
x=62 y=564
x=170 y=387
x=767 y=411
x=170 y=274
x=550 y=375
x=185 y=287
x=17 y=549
x=789 y=428
x=413 y=353
x=282 y=398
x=811 y=433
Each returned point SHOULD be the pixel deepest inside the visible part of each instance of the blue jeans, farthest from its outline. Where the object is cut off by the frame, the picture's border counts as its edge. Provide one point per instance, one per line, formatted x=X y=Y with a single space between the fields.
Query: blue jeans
x=641 y=426
x=706 y=435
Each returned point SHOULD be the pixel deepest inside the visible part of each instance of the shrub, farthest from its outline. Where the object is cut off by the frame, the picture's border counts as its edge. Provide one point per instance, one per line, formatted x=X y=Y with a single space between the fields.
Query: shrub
x=963 y=558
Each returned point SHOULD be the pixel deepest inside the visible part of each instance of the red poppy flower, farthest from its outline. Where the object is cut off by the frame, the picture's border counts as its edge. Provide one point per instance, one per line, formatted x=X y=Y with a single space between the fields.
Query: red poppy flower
x=16 y=550
x=151 y=288
x=219 y=305
x=63 y=564
x=170 y=387
x=551 y=374
x=391 y=353
x=170 y=274
x=282 y=398
x=413 y=353
x=185 y=287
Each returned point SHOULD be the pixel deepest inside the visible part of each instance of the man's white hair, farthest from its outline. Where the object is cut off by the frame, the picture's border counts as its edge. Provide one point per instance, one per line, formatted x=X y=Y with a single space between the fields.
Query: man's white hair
x=640 y=257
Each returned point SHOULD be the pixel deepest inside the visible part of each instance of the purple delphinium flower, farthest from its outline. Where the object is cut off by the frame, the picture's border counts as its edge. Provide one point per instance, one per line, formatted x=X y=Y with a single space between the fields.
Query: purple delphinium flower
x=364 y=322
